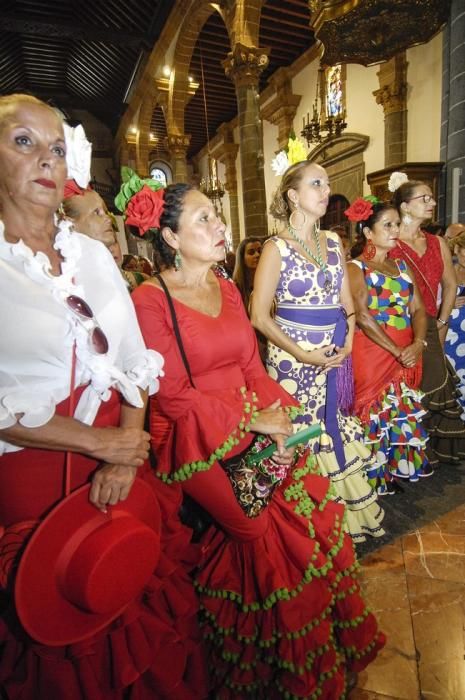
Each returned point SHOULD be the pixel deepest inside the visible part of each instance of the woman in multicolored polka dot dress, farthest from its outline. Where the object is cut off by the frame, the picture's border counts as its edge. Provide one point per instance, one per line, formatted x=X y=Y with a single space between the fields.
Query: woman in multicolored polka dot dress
x=310 y=336
x=387 y=348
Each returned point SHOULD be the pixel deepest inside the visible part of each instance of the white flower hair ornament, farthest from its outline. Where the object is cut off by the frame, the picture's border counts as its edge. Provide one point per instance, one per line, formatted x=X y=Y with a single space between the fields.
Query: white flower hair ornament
x=78 y=154
x=396 y=180
x=294 y=154
x=280 y=164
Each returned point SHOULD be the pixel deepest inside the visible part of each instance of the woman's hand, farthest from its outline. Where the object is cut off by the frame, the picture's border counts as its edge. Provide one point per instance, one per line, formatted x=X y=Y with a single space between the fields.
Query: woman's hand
x=273 y=421
x=283 y=455
x=410 y=354
x=459 y=302
x=327 y=357
x=111 y=483
x=128 y=447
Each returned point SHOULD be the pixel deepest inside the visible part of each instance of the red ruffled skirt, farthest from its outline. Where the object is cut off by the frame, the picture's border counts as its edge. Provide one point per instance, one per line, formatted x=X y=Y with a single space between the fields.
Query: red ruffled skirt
x=281 y=610
x=152 y=651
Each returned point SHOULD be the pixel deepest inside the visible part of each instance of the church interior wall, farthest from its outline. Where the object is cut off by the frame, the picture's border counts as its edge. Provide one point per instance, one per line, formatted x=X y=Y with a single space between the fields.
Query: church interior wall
x=424 y=78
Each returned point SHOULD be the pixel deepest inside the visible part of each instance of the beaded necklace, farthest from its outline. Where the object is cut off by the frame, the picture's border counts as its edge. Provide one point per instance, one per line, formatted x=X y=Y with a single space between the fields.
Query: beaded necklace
x=318 y=258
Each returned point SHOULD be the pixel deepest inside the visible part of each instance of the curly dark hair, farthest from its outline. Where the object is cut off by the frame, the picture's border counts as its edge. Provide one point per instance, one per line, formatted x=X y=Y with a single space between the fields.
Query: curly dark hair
x=173 y=199
x=378 y=209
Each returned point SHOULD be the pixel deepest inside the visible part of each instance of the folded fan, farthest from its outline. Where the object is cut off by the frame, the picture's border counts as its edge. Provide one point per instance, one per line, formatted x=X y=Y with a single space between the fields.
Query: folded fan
x=299 y=438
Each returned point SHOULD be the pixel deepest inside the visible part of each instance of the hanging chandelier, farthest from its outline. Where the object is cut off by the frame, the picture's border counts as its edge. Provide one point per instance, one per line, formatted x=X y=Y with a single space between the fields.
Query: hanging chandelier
x=328 y=114
x=211 y=185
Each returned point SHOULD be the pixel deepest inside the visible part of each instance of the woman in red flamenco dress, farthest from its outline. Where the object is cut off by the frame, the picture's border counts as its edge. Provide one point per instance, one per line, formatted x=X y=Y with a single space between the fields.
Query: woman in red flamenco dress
x=64 y=305
x=281 y=610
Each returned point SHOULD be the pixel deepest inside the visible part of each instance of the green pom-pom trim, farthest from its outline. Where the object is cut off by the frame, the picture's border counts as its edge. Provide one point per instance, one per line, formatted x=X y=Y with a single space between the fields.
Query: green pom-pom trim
x=186 y=471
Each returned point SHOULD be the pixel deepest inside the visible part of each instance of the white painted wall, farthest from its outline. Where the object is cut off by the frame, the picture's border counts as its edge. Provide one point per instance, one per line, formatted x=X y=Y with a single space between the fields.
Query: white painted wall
x=424 y=79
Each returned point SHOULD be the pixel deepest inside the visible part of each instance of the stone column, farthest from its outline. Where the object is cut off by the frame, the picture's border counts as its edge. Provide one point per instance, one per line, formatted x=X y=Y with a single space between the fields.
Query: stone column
x=453 y=113
x=177 y=145
x=392 y=95
x=227 y=154
x=282 y=108
x=244 y=65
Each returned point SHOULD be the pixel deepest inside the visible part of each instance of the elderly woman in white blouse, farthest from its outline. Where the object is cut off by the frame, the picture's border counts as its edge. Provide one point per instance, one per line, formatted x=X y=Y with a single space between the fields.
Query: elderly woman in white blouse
x=74 y=373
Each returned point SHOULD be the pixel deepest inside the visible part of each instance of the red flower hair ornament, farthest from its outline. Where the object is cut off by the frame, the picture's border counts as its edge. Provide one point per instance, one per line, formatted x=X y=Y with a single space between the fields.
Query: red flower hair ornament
x=145 y=208
x=360 y=210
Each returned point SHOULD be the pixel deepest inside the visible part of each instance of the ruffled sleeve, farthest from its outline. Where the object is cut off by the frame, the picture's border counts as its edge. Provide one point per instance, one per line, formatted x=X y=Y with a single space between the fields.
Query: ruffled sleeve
x=198 y=426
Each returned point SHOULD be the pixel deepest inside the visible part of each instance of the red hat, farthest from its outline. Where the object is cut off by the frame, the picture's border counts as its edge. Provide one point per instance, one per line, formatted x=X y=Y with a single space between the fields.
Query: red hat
x=81 y=568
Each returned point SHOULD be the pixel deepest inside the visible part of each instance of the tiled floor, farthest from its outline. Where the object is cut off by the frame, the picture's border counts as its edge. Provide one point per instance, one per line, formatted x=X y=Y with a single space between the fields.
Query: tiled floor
x=416 y=587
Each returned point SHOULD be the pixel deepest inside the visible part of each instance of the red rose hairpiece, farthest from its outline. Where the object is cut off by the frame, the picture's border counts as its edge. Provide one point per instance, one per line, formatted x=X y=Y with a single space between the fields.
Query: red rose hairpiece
x=145 y=208
x=360 y=210
x=72 y=189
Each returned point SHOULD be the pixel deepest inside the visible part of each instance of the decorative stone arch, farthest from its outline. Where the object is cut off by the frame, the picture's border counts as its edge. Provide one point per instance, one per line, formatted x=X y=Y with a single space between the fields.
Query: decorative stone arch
x=160 y=164
x=142 y=136
x=342 y=158
x=179 y=83
x=245 y=27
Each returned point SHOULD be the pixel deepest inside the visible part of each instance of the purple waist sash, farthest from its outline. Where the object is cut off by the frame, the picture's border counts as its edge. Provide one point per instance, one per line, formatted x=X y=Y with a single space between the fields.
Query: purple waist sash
x=339 y=385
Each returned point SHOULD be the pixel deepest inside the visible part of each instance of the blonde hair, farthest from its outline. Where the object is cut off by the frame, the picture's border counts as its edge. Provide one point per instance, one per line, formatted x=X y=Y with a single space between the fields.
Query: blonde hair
x=8 y=103
x=458 y=240
x=280 y=207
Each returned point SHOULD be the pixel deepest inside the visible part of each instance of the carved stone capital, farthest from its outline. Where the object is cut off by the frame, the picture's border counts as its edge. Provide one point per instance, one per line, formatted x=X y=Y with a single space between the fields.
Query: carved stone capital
x=282 y=115
x=245 y=63
x=392 y=92
x=178 y=144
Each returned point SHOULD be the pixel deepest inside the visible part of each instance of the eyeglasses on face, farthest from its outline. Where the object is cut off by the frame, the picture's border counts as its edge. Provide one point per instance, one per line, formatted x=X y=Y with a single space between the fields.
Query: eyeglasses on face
x=427 y=198
x=82 y=309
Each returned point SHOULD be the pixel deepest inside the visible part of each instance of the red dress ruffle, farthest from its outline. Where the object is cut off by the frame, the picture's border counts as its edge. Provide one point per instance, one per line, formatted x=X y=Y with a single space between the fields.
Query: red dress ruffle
x=281 y=610
x=153 y=650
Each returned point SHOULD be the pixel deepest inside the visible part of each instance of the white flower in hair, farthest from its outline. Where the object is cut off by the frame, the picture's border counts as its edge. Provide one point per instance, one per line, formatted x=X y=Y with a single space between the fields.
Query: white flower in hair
x=280 y=164
x=396 y=180
x=78 y=154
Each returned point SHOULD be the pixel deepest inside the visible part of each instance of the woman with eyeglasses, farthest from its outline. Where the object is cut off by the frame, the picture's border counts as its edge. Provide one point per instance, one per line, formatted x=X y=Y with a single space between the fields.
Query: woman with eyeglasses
x=302 y=271
x=74 y=378
x=429 y=258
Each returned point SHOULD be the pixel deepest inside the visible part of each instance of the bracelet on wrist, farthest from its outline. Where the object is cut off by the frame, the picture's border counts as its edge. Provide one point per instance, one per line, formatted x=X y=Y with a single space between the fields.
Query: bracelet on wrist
x=444 y=323
x=422 y=341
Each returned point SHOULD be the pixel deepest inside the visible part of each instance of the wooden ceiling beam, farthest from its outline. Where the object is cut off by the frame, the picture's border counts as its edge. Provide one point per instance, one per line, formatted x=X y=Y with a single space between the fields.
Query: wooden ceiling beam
x=37 y=27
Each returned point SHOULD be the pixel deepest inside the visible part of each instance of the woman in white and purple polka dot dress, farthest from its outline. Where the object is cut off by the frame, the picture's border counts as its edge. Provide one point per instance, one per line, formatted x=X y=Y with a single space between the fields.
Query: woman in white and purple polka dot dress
x=310 y=337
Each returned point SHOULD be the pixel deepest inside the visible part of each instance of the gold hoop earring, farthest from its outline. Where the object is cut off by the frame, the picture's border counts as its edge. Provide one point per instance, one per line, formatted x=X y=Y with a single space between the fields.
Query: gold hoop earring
x=294 y=213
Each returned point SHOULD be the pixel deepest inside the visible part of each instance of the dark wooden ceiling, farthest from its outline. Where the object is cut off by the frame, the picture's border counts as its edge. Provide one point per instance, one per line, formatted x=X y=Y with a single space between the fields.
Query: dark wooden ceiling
x=80 y=54
x=84 y=54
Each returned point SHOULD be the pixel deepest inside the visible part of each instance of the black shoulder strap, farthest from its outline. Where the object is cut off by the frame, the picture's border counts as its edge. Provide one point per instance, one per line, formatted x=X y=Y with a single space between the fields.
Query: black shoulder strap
x=176 y=328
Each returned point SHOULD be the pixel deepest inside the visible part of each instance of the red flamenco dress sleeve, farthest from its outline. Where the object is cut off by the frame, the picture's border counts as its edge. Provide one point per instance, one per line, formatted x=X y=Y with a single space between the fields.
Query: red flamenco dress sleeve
x=194 y=426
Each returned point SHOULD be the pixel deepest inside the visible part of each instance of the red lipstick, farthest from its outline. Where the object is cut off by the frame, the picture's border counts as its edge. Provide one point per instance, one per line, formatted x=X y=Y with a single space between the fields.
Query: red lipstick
x=46 y=183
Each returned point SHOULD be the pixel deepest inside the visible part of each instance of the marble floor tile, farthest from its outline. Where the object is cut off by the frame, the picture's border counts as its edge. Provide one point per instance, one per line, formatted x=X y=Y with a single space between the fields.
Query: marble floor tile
x=394 y=672
x=435 y=555
x=387 y=559
x=438 y=617
x=360 y=694
x=452 y=523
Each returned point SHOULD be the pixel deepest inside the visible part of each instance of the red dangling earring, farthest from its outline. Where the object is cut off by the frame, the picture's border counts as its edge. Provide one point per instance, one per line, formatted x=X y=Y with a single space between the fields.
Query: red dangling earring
x=369 y=250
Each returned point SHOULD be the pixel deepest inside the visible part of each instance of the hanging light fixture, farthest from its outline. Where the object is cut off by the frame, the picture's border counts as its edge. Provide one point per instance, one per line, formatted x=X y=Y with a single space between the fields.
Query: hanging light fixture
x=328 y=119
x=210 y=185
